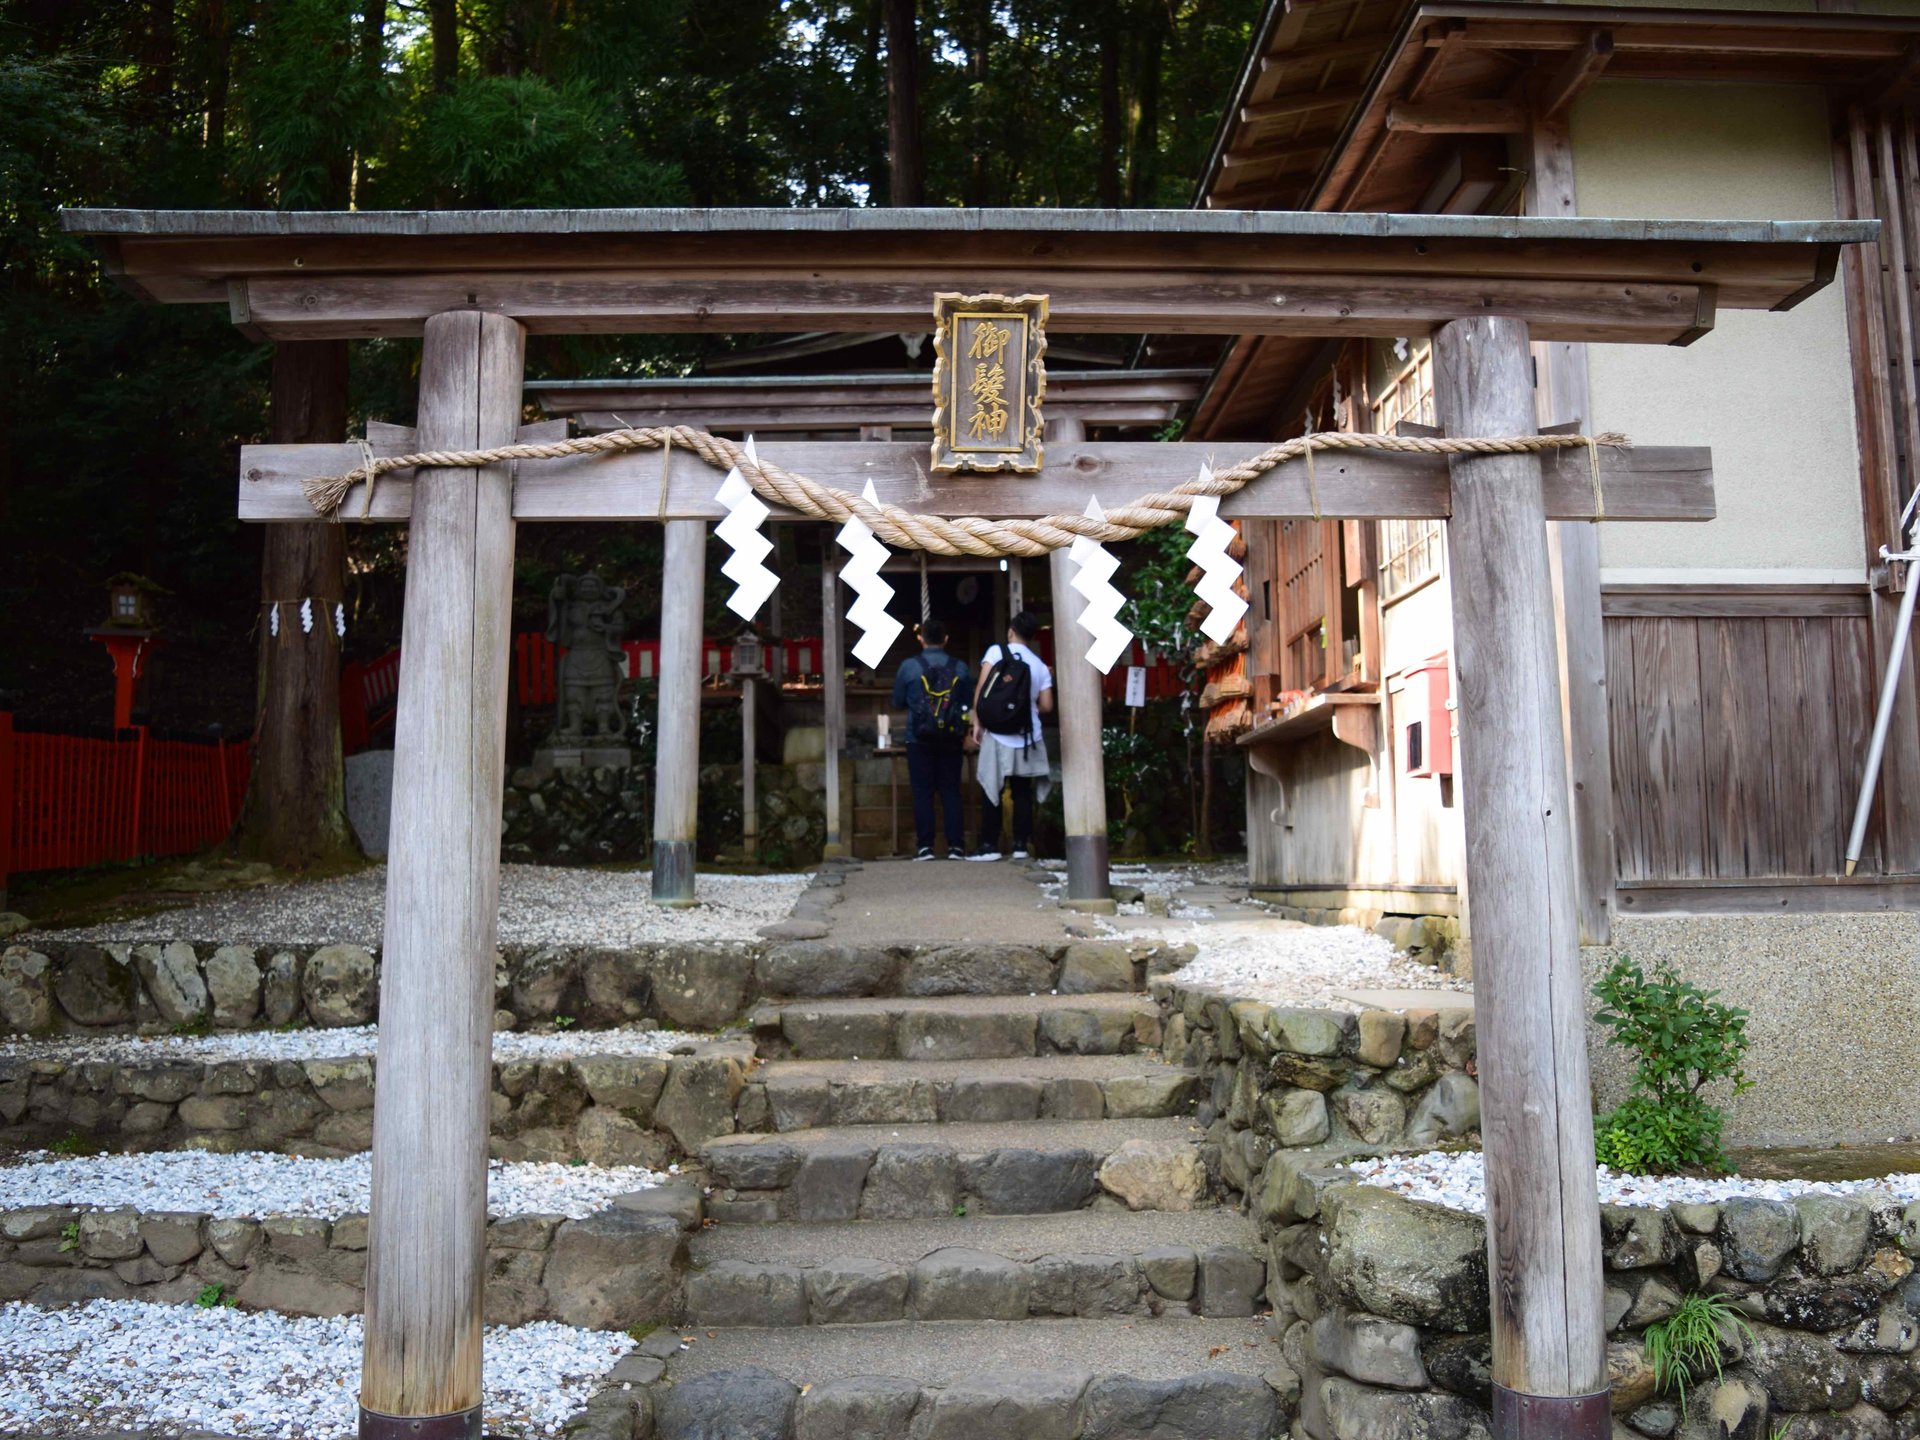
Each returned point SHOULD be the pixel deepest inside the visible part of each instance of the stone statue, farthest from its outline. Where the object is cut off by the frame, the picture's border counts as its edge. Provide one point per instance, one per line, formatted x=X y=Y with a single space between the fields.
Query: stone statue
x=584 y=615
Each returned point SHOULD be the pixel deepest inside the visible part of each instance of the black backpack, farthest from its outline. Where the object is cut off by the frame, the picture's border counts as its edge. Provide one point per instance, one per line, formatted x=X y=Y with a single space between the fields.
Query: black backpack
x=940 y=714
x=1006 y=701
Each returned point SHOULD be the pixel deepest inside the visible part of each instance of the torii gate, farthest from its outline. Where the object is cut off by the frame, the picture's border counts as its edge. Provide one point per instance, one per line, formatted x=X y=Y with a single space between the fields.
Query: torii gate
x=476 y=283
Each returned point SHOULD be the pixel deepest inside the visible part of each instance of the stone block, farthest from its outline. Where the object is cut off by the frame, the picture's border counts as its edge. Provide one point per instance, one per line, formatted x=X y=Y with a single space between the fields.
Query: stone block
x=992 y=1101
x=40 y=1222
x=616 y=986
x=1756 y=1236
x=296 y=1237
x=630 y=1084
x=964 y=1035
x=1171 y=1270
x=1150 y=1096
x=1120 y=1407
x=1095 y=967
x=541 y=981
x=696 y=1103
x=799 y=1103
x=1833 y=1232
x=1636 y=1238
x=213 y=1112
x=339 y=987
x=172 y=1237
x=344 y=1084
x=962 y=1284
x=911 y=1182
x=615 y=1270
x=977 y=970
x=1462 y=1364
x=166 y=1083
x=1801 y=1371
x=171 y=974
x=1359 y=1412
x=1376 y=1116
x=1403 y=1260
x=1087 y=1032
x=1369 y=1349
x=110 y=1234
x=1380 y=1034
x=745 y=1404
x=96 y=987
x=280 y=989
x=1155 y=1175
x=1230 y=1282
x=854 y=1290
x=731 y=1292
x=605 y=1136
x=295 y=1290
x=885 y=1102
x=26 y=991
x=1449 y=1110
x=350 y=1232
x=1030 y=1182
x=1309 y=1032
x=758 y=1165
x=829 y=1182
x=1073 y=1100
x=1085 y=1285
x=351 y=1132
x=1015 y=1405
x=1297 y=1117
x=233 y=1239
x=832 y=1035
x=814 y=968
x=863 y=1407
x=233 y=986
x=700 y=987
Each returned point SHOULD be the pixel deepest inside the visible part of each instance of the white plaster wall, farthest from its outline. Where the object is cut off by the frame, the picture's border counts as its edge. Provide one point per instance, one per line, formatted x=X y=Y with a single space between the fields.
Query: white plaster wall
x=1772 y=394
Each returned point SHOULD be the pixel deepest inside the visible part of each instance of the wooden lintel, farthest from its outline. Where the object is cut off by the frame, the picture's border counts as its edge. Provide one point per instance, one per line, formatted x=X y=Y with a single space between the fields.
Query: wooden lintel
x=1641 y=483
x=1458 y=117
x=1570 y=79
x=1282 y=107
x=1274 y=302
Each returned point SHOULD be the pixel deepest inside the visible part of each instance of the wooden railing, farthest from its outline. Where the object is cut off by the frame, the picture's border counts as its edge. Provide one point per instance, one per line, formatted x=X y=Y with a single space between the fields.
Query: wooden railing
x=73 y=800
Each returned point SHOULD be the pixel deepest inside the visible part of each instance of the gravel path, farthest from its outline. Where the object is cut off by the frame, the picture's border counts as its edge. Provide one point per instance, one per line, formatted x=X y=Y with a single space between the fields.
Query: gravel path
x=539 y=905
x=313 y=1044
x=132 y=1365
x=1282 y=962
x=1458 y=1181
x=254 y=1184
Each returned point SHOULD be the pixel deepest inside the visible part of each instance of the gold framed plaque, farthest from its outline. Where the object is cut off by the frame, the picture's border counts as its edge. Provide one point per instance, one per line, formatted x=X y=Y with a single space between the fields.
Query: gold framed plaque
x=989 y=377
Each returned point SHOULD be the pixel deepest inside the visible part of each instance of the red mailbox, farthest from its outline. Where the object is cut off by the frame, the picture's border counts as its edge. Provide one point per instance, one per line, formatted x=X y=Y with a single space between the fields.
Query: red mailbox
x=1422 y=721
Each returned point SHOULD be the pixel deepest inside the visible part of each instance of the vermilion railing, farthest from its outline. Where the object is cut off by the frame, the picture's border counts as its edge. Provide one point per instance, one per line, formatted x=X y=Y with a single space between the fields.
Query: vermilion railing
x=73 y=800
x=536 y=659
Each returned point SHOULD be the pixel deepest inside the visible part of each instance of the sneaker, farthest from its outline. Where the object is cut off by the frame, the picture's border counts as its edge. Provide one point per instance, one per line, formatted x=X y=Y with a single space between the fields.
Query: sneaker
x=926 y=853
x=1020 y=852
x=985 y=852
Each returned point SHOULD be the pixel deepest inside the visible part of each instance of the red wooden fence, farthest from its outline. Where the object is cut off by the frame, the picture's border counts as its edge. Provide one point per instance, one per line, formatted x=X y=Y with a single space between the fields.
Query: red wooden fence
x=368 y=690
x=536 y=660
x=72 y=800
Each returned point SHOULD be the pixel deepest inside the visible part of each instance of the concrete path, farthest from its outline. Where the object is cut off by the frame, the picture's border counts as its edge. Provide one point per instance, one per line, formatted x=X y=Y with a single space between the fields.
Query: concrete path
x=892 y=902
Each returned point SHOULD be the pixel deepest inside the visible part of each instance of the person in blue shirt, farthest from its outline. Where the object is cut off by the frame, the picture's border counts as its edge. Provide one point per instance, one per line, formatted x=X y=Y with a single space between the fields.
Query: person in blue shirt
x=936 y=691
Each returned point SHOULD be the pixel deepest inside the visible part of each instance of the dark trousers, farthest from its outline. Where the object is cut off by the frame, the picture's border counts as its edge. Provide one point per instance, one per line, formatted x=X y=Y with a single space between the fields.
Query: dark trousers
x=935 y=770
x=1022 y=787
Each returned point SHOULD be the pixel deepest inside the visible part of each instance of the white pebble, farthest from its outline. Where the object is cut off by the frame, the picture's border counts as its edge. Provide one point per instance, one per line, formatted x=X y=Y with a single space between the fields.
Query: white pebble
x=342 y=1043
x=1284 y=964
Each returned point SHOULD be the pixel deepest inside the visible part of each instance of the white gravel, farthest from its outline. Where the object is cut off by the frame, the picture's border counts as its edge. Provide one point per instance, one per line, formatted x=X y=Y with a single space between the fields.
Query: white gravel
x=132 y=1365
x=336 y=1044
x=539 y=905
x=253 y=1184
x=1281 y=962
x=1457 y=1180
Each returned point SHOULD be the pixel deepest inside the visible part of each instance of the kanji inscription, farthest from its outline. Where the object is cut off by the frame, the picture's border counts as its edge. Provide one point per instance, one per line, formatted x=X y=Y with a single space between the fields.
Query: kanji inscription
x=988 y=380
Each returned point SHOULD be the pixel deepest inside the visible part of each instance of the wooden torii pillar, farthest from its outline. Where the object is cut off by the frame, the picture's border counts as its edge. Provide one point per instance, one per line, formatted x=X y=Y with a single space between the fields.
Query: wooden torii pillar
x=292 y=276
x=1080 y=708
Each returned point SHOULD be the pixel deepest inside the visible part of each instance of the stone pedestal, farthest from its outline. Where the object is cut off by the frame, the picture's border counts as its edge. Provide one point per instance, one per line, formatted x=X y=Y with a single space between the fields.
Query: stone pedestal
x=575 y=757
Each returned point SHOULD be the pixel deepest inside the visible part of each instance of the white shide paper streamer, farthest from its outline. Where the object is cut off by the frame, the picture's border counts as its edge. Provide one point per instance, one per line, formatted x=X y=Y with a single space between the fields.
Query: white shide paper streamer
x=871 y=593
x=1100 y=617
x=753 y=582
x=1218 y=569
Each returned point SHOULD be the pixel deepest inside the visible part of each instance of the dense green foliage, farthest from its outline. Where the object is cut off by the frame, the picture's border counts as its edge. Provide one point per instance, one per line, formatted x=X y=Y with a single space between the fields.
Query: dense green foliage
x=1686 y=1041
x=118 y=436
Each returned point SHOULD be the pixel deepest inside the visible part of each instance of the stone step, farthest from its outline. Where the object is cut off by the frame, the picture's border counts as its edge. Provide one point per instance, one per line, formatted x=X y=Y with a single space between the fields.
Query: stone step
x=906 y=1172
x=1110 y=1379
x=825 y=969
x=963 y=1027
x=1085 y=1263
x=805 y=1094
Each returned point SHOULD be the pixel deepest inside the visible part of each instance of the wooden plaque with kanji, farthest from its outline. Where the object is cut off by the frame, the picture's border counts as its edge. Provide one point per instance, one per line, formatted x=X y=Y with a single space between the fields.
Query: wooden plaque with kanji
x=989 y=377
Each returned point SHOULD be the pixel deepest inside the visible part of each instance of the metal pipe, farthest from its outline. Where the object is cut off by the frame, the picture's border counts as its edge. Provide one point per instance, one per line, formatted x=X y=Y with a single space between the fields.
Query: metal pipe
x=1889 y=686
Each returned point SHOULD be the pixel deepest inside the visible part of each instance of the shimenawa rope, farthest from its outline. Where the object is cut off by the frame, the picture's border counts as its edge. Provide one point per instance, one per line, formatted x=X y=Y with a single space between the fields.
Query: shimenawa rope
x=943 y=535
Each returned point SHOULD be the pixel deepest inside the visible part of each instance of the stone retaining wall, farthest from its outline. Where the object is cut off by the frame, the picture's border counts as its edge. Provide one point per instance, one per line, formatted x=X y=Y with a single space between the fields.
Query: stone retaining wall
x=1279 y=1078
x=1388 y=1306
x=50 y=987
x=604 y=1109
x=614 y=1270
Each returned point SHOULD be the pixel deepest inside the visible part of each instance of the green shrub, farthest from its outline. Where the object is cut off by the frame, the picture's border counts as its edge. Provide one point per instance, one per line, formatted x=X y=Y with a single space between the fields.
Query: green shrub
x=1683 y=1347
x=1686 y=1040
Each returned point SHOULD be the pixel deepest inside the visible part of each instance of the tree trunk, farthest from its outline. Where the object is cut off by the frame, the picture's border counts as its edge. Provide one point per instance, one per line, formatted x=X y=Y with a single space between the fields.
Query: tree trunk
x=295 y=811
x=1107 y=174
x=869 y=76
x=219 y=32
x=443 y=29
x=1143 y=154
x=906 y=181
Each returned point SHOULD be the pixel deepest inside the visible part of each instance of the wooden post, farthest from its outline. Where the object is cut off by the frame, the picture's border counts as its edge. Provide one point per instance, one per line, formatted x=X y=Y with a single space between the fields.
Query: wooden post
x=749 y=802
x=426 y=1233
x=1574 y=547
x=676 y=793
x=7 y=783
x=1079 y=705
x=1543 y=1232
x=833 y=682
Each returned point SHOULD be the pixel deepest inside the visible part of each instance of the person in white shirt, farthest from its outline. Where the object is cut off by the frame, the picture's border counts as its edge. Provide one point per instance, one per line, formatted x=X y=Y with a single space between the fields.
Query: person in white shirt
x=1014 y=690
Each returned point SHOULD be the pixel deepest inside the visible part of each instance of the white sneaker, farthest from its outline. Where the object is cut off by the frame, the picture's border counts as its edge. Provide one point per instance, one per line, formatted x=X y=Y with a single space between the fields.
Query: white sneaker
x=1019 y=854
x=984 y=854
x=926 y=853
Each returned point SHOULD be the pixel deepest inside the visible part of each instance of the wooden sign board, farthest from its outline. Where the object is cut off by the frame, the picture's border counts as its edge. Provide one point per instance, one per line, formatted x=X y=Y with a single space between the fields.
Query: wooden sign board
x=989 y=377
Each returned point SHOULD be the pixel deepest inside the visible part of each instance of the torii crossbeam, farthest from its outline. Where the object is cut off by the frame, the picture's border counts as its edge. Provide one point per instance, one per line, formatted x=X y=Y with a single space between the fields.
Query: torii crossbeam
x=476 y=283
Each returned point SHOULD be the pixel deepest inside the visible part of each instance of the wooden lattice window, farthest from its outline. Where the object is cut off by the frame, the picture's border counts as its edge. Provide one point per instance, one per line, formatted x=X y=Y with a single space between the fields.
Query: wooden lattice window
x=1303 y=607
x=1410 y=550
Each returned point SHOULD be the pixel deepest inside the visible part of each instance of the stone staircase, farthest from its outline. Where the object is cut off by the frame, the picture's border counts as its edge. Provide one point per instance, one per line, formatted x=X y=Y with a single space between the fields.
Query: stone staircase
x=982 y=1215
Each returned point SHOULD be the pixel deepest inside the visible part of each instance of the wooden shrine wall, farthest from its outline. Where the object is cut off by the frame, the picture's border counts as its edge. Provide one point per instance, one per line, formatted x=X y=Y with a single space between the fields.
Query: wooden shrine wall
x=1739 y=723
